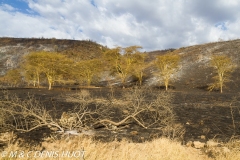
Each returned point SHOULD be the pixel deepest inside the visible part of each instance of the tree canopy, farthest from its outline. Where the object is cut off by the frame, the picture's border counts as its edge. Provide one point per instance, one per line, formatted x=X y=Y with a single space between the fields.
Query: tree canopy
x=167 y=66
x=52 y=65
x=223 y=67
x=121 y=61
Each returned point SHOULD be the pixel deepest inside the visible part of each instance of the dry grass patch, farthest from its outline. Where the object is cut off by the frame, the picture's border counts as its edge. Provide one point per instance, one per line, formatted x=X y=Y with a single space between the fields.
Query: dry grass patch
x=229 y=151
x=162 y=149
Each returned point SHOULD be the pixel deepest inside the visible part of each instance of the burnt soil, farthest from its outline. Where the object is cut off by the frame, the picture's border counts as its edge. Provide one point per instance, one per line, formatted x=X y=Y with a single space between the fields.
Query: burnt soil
x=204 y=115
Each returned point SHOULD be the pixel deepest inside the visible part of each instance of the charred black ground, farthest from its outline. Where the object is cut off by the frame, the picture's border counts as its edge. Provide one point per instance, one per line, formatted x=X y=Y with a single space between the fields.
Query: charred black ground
x=203 y=115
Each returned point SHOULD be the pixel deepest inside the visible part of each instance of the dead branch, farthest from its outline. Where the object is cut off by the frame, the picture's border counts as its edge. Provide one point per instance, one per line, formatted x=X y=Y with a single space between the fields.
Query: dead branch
x=27 y=115
x=123 y=121
x=148 y=110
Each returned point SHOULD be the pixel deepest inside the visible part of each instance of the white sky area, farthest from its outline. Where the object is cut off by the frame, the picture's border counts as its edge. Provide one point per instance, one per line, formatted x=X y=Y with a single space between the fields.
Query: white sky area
x=152 y=24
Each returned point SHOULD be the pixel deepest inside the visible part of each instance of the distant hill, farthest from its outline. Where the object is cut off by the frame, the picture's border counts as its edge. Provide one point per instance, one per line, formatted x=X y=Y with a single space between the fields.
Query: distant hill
x=195 y=73
x=12 y=49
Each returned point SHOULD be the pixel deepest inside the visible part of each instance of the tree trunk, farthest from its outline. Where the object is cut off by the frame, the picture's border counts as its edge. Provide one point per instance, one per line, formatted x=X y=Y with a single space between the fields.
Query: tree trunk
x=221 y=82
x=88 y=82
x=123 y=82
x=50 y=81
x=122 y=76
x=49 y=85
x=140 y=78
x=38 y=80
x=166 y=84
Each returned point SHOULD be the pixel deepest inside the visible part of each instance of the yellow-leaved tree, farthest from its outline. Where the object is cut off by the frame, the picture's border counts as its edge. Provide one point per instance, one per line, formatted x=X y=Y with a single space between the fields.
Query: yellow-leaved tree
x=223 y=66
x=31 y=69
x=52 y=65
x=13 y=77
x=139 y=65
x=167 y=65
x=88 y=70
x=121 y=61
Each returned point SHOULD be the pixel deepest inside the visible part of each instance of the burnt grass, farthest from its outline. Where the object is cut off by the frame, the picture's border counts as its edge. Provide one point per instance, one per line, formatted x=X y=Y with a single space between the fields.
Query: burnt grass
x=204 y=115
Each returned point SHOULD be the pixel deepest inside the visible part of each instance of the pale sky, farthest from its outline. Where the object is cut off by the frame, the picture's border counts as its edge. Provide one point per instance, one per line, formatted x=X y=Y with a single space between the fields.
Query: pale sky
x=152 y=24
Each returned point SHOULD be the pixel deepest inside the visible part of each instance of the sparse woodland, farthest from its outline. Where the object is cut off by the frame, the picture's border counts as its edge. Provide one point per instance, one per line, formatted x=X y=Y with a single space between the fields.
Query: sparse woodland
x=43 y=68
x=55 y=68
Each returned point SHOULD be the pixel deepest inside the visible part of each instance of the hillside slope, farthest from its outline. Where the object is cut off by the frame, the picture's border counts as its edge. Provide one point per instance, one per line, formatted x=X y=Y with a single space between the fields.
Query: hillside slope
x=195 y=72
x=12 y=49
